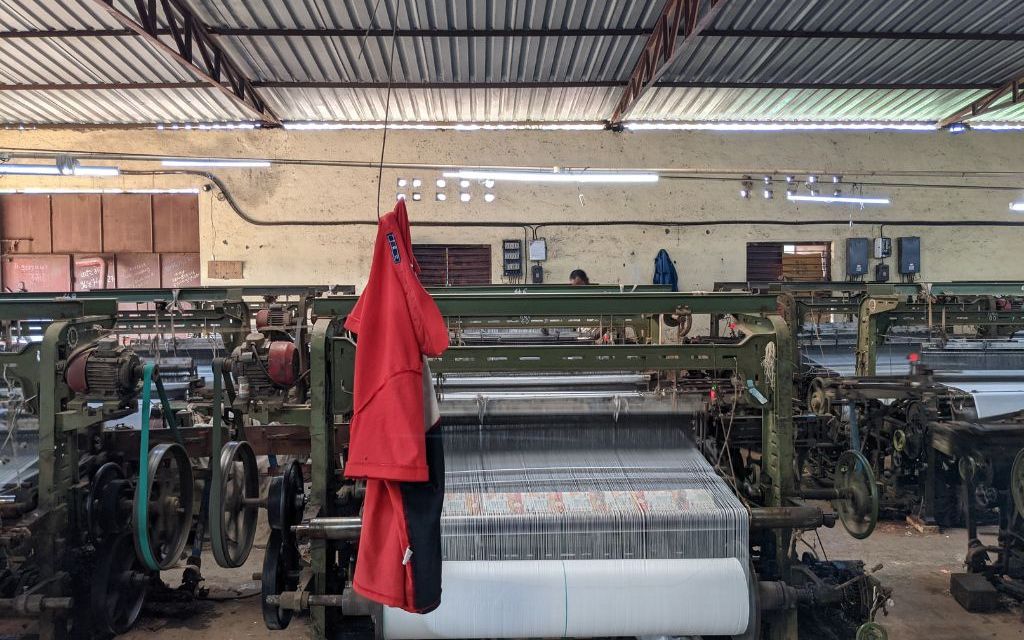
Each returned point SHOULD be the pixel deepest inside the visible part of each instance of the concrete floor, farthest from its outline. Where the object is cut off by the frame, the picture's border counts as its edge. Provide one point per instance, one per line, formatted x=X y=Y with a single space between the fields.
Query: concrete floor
x=916 y=566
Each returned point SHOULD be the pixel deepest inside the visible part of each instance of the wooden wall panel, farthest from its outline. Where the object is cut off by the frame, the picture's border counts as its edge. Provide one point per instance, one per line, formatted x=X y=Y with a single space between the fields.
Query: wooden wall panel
x=179 y=270
x=89 y=272
x=25 y=223
x=138 y=270
x=76 y=223
x=127 y=223
x=175 y=223
x=50 y=273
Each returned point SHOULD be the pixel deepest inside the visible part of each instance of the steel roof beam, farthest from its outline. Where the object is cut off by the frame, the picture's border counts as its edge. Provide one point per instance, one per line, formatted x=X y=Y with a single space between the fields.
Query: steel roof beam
x=195 y=49
x=680 y=23
x=994 y=100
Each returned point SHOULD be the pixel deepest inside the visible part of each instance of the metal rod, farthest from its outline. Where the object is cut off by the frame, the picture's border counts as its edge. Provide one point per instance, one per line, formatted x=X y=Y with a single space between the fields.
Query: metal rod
x=805 y=517
x=330 y=529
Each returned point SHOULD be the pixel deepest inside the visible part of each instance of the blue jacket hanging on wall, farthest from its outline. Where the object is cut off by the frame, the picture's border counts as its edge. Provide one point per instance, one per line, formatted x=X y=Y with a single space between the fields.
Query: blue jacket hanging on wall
x=665 y=271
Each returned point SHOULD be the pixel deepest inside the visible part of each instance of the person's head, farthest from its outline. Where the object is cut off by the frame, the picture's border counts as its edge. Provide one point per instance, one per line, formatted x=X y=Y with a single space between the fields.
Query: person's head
x=578 y=277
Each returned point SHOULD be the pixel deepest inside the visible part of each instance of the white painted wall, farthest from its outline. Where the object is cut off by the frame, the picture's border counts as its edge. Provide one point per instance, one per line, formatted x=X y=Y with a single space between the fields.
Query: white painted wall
x=704 y=254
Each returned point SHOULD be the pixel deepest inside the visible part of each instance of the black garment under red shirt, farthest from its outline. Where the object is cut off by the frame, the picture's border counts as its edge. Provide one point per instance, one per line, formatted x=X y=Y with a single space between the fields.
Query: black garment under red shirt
x=397 y=323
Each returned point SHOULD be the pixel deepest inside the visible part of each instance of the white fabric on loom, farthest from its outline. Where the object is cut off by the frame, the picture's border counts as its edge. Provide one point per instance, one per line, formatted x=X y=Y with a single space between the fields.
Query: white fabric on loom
x=582 y=599
x=993 y=398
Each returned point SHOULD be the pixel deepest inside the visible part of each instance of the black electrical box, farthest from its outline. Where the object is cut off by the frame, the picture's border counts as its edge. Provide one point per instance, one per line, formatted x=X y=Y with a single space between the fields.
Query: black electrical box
x=881 y=272
x=910 y=254
x=857 y=250
x=537 y=274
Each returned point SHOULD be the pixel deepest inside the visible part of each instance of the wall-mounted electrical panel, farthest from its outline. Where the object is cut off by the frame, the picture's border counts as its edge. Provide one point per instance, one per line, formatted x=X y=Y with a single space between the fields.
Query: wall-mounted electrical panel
x=910 y=254
x=881 y=272
x=538 y=250
x=857 y=256
x=883 y=247
x=512 y=258
x=537 y=274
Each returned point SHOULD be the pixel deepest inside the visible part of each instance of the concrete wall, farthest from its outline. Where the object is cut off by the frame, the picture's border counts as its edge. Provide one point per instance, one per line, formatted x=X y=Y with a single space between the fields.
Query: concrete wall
x=622 y=254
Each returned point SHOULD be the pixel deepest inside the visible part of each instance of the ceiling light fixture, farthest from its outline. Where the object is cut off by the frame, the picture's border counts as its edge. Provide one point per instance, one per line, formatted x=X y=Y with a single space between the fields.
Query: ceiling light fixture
x=465 y=197
x=488 y=197
x=224 y=164
x=440 y=197
x=838 y=199
x=1017 y=206
x=441 y=183
x=73 y=169
x=779 y=126
x=552 y=176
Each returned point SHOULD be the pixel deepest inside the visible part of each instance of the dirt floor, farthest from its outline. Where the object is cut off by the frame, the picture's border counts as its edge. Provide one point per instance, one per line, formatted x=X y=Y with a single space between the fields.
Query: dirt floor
x=916 y=566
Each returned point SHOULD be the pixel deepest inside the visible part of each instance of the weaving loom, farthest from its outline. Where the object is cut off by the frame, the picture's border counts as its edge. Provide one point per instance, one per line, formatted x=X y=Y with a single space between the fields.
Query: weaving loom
x=600 y=526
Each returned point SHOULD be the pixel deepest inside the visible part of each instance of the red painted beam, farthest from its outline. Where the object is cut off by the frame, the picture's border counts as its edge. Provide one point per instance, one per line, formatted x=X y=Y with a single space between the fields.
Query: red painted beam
x=991 y=101
x=680 y=22
x=212 y=64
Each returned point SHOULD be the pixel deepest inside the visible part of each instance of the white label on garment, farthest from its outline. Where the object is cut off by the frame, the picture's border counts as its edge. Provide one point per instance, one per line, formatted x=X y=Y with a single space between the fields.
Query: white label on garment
x=407 y=557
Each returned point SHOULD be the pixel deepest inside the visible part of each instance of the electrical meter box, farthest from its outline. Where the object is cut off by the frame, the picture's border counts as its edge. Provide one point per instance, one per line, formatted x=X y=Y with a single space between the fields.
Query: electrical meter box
x=910 y=254
x=857 y=256
x=883 y=247
x=512 y=258
x=538 y=250
x=881 y=272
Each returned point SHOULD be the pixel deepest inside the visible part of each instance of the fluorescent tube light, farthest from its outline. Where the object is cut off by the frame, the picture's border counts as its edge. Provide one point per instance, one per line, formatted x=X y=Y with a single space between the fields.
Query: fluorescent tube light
x=778 y=126
x=104 y=172
x=30 y=169
x=838 y=199
x=230 y=164
x=54 y=170
x=1017 y=206
x=550 y=176
x=62 y=190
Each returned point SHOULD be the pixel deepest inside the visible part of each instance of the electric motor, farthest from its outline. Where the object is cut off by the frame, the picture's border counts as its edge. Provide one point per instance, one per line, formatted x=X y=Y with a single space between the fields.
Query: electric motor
x=105 y=370
x=265 y=367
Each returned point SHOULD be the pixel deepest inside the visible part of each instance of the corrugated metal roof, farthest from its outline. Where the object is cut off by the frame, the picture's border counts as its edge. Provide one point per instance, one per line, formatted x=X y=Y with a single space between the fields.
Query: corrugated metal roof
x=849 y=61
x=594 y=65
x=916 y=16
x=802 y=105
x=445 y=105
x=111 y=106
x=438 y=59
x=429 y=14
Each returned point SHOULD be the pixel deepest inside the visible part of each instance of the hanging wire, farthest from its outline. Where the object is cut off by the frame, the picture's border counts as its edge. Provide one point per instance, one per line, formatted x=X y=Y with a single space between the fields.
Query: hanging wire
x=387 y=99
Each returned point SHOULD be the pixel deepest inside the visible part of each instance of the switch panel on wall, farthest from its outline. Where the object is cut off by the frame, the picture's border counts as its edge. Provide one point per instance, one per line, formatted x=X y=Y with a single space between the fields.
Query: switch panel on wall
x=512 y=258
x=856 y=256
x=910 y=254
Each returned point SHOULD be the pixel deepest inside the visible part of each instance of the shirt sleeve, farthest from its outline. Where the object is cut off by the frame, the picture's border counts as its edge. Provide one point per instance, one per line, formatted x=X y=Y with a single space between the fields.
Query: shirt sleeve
x=426 y=319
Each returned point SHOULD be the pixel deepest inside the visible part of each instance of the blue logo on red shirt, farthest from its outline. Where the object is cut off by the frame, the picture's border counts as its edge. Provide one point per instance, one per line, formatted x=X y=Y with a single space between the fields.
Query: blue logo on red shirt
x=395 y=255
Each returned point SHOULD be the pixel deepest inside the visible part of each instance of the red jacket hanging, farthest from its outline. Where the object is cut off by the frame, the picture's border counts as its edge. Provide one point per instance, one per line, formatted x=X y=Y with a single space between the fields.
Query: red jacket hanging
x=397 y=324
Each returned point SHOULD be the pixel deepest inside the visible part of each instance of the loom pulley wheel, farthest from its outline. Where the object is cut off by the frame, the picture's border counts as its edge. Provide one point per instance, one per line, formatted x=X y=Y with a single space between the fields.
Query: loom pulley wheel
x=234 y=505
x=108 y=505
x=857 y=494
x=286 y=498
x=1017 y=482
x=168 y=492
x=280 y=573
x=119 y=585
